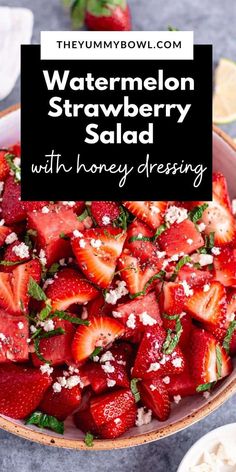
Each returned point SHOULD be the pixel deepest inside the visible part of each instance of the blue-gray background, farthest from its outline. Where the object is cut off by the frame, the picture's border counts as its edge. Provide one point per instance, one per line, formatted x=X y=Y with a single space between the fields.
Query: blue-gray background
x=213 y=22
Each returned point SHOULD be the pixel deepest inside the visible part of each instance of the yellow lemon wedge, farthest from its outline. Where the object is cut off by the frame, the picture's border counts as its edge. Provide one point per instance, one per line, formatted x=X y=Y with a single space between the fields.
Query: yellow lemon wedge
x=224 y=98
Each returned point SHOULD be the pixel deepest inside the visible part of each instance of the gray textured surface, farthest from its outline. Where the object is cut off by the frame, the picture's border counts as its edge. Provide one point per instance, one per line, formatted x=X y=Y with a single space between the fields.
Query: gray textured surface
x=213 y=22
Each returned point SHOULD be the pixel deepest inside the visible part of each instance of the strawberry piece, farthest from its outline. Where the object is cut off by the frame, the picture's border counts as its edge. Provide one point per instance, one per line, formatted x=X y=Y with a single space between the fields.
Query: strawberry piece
x=33 y=205
x=194 y=277
x=220 y=221
x=4 y=167
x=77 y=206
x=84 y=420
x=225 y=267
x=176 y=239
x=97 y=253
x=107 y=16
x=150 y=361
x=57 y=349
x=61 y=404
x=69 y=287
x=220 y=189
x=172 y=298
x=21 y=390
x=208 y=306
x=13 y=338
x=147 y=304
x=203 y=358
x=181 y=384
x=106 y=407
x=15 y=149
x=14 y=296
x=150 y=212
x=12 y=207
x=142 y=249
x=101 y=332
x=98 y=307
x=136 y=275
x=154 y=396
x=52 y=228
x=120 y=425
x=4 y=232
x=10 y=256
x=105 y=213
x=99 y=379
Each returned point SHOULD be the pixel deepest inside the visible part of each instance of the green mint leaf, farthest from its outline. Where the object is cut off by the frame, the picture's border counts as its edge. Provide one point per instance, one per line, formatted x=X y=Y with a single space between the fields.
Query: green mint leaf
x=170 y=317
x=45 y=421
x=172 y=338
x=219 y=361
x=53 y=269
x=73 y=319
x=209 y=244
x=159 y=230
x=184 y=260
x=45 y=312
x=196 y=213
x=10 y=263
x=211 y=240
x=35 y=291
x=160 y=275
x=134 y=389
x=88 y=439
x=228 y=336
x=64 y=236
x=138 y=238
x=123 y=219
x=205 y=387
x=83 y=215
x=96 y=351
x=78 y=10
x=15 y=169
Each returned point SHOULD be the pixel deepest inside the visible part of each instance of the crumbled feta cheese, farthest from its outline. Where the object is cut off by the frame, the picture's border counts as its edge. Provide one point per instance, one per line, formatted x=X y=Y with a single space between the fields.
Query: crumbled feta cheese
x=111 y=383
x=95 y=358
x=72 y=381
x=216 y=251
x=96 y=243
x=115 y=294
x=22 y=251
x=42 y=257
x=116 y=314
x=146 y=319
x=11 y=238
x=160 y=254
x=166 y=380
x=47 y=325
x=177 y=362
x=177 y=399
x=108 y=368
x=154 y=210
x=82 y=243
x=152 y=387
x=47 y=283
x=16 y=161
x=70 y=204
x=154 y=366
x=2 y=337
x=106 y=220
x=201 y=227
x=20 y=325
x=143 y=417
x=206 y=288
x=190 y=241
x=187 y=290
x=33 y=329
x=45 y=209
x=77 y=234
x=2 y=222
x=62 y=262
x=202 y=259
x=46 y=369
x=131 y=321
x=56 y=387
x=206 y=395
x=176 y=214
x=107 y=356
x=117 y=420
x=62 y=381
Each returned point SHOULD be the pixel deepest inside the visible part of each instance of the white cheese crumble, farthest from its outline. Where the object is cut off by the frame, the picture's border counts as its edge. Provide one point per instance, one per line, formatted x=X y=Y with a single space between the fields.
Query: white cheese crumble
x=216 y=251
x=20 y=325
x=46 y=369
x=201 y=227
x=47 y=325
x=117 y=420
x=42 y=257
x=2 y=222
x=206 y=288
x=77 y=234
x=11 y=238
x=115 y=294
x=202 y=259
x=187 y=290
x=96 y=243
x=143 y=417
x=111 y=383
x=82 y=243
x=108 y=368
x=106 y=220
x=107 y=356
x=154 y=210
x=56 y=387
x=152 y=387
x=177 y=399
x=154 y=366
x=45 y=209
x=166 y=380
x=146 y=319
x=190 y=241
x=177 y=362
x=116 y=314
x=175 y=214
x=206 y=395
x=70 y=204
x=131 y=321
x=221 y=456
x=22 y=251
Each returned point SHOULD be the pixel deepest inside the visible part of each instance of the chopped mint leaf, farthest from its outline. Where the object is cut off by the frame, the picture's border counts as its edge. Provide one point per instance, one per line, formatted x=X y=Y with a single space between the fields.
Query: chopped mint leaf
x=96 y=351
x=184 y=260
x=196 y=213
x=83 y=215
x=228 y=336
x=209 y=244
x=123 y=219
x=88 y=439
x=73 y=319
x=205 y=387
x=35 y=291
x=139 y=238
x=10 y=263
x=14 y=168
x=159 y=230
x=219 y=361
x=172 y=338
x=45 y=312
x=160 y=275
x=63 y=236
x=45 y=421
x=134 y=389
x=53 y=269
x=170 y=317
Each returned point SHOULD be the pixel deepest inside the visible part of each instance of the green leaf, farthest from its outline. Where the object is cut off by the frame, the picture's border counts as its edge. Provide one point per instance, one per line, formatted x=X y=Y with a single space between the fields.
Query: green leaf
x=53 y=269
x=159 y=230
x=88 y=439
x=64 y=236
x=123 y=219
x=15 y=169
x=205 y=387
x=45 y=421
x=45 y=312
x=196 y=213
x=209 y=244
x=172 y=338
x=159 y=275
x=35 y=291
x=170 y=317
x=73 y=319
x=172 y=28
x=228 y=336
x=96 y=351
x=83 y=215
x=138 y=238
x=78 y=10
x=10 y=263
x=219 y=361
x=134 y=389
x=184 y=260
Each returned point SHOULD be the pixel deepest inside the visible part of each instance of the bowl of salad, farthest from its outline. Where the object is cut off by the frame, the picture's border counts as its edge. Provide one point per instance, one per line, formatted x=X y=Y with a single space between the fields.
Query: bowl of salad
x=117 y=319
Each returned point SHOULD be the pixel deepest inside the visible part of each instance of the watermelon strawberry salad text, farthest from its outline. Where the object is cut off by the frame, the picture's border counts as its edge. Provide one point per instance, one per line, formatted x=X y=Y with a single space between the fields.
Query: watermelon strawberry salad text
x=112 y=311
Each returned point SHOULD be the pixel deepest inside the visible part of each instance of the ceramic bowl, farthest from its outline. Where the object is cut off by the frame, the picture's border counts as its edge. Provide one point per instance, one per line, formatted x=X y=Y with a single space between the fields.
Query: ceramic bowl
x=189 y=410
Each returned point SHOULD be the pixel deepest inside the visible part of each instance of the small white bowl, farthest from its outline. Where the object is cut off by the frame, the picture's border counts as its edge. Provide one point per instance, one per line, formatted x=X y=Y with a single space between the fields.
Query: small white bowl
x=207 y=443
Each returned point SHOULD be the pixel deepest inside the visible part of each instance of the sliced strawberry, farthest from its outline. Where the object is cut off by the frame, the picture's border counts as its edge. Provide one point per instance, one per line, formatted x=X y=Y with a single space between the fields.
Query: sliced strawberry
x=13 y=338
x=98 y=307
x=97 y=252
x=101 y=332
x=12 y=208
x=151 y=362
x=102 y=380
x=57 y=349
x=105 y=213
x=4 y=167
x=106 y=407
x=205 y=351
x=21 y=390
x=225 y=267
x=220 y=189
x=150 y=212
x=172 y=298
x=53 y=229
x=208 y=306
x=220 y=221
x=120 y=425
x=194 y=277
x=181 y=238
x=61 y=404
x=154 y=395
x=136 y=275
x=15 y=149
x=181 y=384
x=69 y=287
x=141 y=248
x=77 y=206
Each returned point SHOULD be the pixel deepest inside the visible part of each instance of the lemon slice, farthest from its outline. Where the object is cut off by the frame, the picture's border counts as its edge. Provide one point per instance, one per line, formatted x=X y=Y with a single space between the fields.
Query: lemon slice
x=224 y=98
